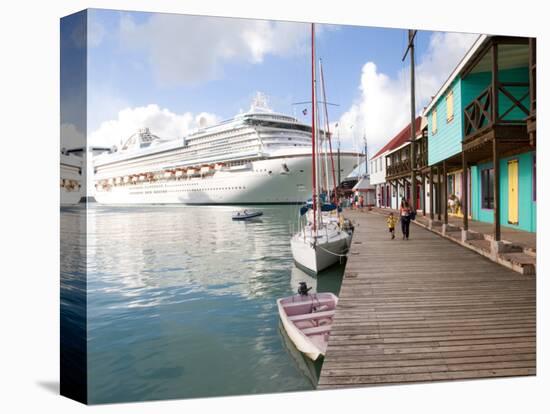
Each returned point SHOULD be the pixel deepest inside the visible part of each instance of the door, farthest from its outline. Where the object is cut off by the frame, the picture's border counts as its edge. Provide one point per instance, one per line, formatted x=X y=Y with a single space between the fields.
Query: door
x=513 y=199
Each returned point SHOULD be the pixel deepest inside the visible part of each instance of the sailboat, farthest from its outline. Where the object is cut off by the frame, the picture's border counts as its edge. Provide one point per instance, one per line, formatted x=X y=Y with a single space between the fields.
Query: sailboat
x=322 y=241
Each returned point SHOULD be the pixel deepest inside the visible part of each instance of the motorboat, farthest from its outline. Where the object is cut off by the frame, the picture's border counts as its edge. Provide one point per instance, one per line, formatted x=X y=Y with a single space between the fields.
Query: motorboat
x=246 y=214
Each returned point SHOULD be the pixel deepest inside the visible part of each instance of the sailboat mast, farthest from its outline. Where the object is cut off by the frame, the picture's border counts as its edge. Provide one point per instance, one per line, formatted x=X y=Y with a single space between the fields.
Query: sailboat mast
x=313 y=124
x=328 y=130
x=320 y=169
x=324 y=140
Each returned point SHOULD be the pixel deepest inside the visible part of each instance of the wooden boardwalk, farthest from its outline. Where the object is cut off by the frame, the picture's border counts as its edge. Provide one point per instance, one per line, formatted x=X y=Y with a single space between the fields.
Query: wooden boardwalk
x=426 y=309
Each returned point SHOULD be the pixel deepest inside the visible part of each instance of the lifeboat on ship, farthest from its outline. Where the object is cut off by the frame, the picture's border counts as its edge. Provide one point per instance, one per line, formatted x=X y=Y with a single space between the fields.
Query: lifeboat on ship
x=206 y=169
x=180 y=172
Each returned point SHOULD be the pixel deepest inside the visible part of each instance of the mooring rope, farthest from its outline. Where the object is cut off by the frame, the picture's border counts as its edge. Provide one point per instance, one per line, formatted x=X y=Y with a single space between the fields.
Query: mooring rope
x=335 y=254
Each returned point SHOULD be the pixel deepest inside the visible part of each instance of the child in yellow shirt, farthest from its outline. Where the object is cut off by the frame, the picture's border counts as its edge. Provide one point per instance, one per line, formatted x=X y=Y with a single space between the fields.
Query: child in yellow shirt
x=391 y=220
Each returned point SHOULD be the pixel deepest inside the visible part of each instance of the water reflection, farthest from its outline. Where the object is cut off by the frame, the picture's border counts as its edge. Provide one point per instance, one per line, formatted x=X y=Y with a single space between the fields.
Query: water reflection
x=182 y=303
x=73 y=305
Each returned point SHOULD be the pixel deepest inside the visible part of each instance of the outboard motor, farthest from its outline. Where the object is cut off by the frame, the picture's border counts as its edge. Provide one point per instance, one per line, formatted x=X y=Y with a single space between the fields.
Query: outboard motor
x=303 y=289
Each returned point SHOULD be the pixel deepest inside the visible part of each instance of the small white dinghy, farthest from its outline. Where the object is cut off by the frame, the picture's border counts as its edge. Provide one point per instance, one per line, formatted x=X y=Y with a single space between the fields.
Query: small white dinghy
x=307 y=319
x=246 y=215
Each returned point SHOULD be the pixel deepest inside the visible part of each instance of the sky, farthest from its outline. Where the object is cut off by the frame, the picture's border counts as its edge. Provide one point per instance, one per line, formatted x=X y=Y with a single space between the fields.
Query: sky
x=174 y=72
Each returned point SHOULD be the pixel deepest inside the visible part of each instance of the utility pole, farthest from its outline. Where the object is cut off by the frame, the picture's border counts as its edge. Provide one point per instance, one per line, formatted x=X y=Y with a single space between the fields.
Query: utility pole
x=366 y=159
x=339 y=168
x=410 y=48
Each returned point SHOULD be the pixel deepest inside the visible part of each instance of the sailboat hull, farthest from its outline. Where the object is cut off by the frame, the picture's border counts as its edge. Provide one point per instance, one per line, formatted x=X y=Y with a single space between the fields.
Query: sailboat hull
x=323 y=254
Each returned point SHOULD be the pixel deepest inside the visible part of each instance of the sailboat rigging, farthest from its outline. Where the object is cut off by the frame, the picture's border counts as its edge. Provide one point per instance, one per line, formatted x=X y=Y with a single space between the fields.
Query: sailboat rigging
x=323 y=240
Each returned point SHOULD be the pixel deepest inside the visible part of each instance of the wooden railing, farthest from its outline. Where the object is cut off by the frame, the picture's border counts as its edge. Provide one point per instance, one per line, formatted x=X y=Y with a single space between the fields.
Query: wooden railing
x=479 y=114
x=399 y=167
x=421 y=161
x=422 y=153
x=400 y=161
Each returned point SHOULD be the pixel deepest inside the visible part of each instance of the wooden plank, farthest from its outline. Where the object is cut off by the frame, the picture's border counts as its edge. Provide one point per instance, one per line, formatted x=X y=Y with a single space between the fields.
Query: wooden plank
x=310 y=316
x=316 y=330
x=420 y=318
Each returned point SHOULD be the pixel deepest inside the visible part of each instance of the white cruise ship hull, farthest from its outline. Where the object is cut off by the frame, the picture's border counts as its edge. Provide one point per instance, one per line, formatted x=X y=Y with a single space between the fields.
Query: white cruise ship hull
x=71 y=180
x=278 y=180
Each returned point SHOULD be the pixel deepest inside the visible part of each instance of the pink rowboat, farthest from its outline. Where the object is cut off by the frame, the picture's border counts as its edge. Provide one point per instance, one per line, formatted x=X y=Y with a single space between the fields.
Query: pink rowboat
x=307 y=319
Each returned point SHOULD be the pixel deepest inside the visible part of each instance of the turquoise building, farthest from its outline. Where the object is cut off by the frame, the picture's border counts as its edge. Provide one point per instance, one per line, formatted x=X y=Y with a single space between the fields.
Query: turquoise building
x=526 y=187
x=480 y=119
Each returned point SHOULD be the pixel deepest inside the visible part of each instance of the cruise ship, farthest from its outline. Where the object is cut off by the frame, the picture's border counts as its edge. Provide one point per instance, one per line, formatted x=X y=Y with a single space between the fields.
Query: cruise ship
x=70 y=178
x=258 y=157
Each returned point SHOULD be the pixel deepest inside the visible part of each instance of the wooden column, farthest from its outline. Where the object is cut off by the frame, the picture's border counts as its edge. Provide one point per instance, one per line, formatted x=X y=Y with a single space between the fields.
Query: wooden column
x=445 y=195
x=464 y=190
x=423 y=199
x=438 y=193
x=395 y=186
x=496 y=163
x=496 y=191
x=533 y=74
x=431 y=193
x=494 y=82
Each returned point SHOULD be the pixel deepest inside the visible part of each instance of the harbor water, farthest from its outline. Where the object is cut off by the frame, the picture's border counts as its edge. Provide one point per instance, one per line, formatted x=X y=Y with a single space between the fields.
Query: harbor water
x=181 y=302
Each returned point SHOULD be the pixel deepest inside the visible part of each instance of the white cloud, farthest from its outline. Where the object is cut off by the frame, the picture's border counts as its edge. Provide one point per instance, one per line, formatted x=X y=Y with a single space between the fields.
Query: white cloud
x=383 y=106
x=96 y=32
x=71 y=136
x=162 y=122
x=192 y=49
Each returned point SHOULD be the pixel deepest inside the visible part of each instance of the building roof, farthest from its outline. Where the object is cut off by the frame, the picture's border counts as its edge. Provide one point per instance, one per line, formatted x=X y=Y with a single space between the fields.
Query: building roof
x=473 y=49
x=402 y=137
x=363 y=185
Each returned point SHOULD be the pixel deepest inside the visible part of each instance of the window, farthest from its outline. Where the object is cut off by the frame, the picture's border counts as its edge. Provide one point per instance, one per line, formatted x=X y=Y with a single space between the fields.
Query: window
x=450 y=108
x=434 y=122
x=487 y=196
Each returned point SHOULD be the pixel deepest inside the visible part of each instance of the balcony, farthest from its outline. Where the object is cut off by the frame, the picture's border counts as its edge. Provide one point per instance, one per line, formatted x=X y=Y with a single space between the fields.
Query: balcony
x=421 y=153
x=398 y=163
x=482 y=122
x=500 y=74
x=400 y=168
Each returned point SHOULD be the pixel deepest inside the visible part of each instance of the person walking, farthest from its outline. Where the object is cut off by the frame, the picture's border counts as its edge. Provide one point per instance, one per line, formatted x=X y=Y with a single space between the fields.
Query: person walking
x=405 y=212
x=391 y=220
